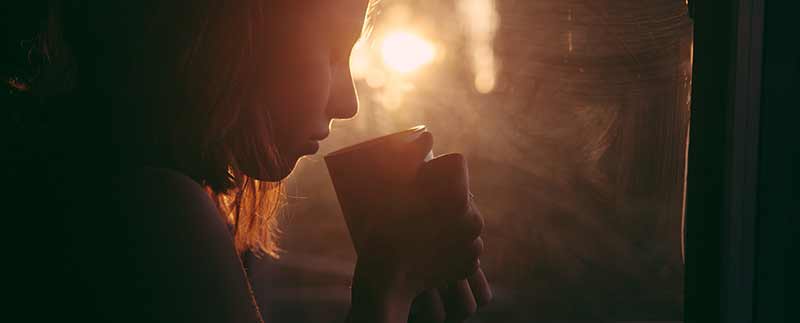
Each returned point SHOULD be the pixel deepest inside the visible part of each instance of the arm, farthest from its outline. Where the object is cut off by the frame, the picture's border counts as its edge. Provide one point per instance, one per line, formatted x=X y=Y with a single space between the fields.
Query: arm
x=184 y=264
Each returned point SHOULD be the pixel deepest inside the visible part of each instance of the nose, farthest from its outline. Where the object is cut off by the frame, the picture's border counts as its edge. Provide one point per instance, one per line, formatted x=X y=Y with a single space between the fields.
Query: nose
x=343 y=101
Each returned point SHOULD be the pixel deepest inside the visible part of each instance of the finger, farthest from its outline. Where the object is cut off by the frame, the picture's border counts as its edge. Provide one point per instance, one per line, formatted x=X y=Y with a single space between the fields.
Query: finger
x=459 y=303
x=480 y=287
x=475 y=251
x=462 y=230
x=455 y=232
x=463 y=260
x=473 y=221
x=427 y=308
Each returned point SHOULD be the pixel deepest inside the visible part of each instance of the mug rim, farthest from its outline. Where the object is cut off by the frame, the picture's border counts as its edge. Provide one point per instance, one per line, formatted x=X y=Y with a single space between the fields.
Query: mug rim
x=373 y=141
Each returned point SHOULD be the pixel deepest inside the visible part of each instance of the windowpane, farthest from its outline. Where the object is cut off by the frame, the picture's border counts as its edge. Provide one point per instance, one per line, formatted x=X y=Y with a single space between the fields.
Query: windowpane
x=573 y=116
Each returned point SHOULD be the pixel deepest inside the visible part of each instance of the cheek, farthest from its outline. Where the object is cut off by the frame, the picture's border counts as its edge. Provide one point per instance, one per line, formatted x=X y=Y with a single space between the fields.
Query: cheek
x=298 y=97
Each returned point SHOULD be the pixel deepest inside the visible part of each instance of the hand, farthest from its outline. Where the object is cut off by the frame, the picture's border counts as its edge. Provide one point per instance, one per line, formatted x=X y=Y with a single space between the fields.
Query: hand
x=454 y=303
x=426 y=235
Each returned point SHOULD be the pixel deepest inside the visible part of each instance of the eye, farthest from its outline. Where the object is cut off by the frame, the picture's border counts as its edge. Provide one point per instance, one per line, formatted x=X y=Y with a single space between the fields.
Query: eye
x=340 y=53
x=342 y=44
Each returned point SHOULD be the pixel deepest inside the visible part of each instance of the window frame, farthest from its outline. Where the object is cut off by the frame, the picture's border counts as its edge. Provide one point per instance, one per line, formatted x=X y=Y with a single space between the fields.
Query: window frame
x=722 y=162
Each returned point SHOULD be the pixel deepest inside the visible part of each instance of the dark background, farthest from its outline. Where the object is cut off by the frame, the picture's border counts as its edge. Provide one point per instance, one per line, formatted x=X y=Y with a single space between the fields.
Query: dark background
x=742 y=247
x=537 y=244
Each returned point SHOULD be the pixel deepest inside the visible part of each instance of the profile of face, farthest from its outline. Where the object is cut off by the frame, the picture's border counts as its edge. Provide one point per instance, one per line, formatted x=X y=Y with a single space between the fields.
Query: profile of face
x=308 y=79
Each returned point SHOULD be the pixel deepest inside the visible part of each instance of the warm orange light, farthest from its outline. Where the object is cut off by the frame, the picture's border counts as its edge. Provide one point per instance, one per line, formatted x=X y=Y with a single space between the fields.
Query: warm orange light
x=359 y=59
x=405 y=52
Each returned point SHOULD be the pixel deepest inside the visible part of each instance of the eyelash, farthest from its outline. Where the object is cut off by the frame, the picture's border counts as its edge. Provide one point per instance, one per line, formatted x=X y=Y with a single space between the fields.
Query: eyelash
x=341 y=50
x=339 y=54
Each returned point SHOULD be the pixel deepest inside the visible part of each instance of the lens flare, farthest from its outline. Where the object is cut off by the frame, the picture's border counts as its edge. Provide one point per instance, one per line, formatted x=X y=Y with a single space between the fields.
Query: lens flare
x=405 y=52
x=481 y=20
x=360 y=59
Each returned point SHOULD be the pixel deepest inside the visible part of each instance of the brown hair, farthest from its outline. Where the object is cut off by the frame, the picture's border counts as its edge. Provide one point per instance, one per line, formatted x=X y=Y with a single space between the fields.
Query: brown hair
x=180 y=83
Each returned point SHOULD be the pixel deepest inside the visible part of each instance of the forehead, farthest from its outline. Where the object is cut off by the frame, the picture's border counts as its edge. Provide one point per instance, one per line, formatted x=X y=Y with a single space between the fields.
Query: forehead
x=344 y=6
x=336 y=10
x=306 y=24
x=309 y=22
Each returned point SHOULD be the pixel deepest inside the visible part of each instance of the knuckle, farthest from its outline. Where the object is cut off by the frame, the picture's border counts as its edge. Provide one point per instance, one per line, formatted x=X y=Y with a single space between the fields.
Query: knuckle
x=474 y=265
x=461 y=205
x=477 y=248
x=466 y=269
x=475 y=222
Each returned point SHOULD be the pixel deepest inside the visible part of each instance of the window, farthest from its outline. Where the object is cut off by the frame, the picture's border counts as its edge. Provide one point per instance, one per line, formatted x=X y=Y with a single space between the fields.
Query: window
x=573 y=116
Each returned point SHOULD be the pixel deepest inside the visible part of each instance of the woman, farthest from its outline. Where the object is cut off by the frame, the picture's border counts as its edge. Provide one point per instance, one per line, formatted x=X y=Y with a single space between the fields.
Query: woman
x=213 y=103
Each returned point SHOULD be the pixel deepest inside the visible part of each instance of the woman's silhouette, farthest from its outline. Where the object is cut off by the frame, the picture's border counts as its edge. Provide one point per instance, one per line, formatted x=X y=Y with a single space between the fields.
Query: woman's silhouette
x=212 y=104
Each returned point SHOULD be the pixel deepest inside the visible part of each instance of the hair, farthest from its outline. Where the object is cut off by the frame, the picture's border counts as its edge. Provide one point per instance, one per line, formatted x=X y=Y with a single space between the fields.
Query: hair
x=180 y=83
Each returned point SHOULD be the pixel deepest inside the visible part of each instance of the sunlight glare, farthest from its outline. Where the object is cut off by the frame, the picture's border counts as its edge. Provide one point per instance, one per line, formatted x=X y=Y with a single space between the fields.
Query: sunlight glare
x=481 y=19
x=359 y=59
x=404 y=52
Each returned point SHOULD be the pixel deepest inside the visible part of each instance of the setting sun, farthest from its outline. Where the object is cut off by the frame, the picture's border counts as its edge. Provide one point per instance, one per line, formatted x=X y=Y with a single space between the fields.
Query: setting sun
x=404 y=52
